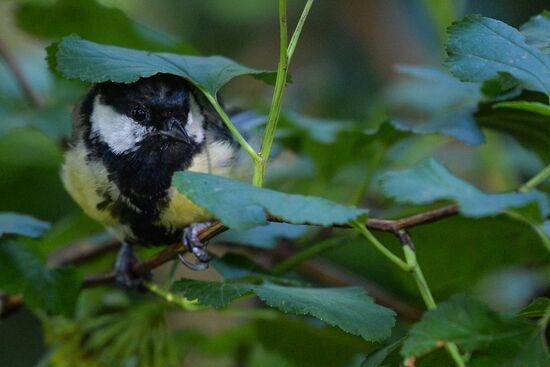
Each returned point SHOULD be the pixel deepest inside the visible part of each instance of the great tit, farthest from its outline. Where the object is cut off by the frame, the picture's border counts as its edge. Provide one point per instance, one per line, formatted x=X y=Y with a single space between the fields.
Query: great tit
x=127 y=141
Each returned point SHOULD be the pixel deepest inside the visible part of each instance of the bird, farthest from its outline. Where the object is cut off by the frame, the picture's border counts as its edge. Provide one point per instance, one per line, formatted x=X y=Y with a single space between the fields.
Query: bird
x=127 y=141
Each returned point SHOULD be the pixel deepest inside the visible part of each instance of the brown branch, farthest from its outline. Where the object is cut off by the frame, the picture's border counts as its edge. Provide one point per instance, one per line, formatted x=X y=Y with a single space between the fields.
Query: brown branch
x=169 y=253
x=384 y=225
x=11 y=62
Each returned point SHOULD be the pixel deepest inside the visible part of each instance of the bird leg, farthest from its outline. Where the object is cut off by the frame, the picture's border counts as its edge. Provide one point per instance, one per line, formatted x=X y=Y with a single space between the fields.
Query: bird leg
x=195 y=246
x=124 y=274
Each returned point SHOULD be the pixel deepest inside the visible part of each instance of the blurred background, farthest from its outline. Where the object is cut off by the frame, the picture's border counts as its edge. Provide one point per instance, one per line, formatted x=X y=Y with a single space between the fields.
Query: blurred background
x=343 y=70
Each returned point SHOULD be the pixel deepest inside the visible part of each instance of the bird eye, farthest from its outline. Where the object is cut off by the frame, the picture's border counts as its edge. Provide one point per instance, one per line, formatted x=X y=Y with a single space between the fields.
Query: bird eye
x=139 y=113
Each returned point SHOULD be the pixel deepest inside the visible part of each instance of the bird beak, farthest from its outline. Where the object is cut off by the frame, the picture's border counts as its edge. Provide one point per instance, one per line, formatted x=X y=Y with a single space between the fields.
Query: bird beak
x=175 y=129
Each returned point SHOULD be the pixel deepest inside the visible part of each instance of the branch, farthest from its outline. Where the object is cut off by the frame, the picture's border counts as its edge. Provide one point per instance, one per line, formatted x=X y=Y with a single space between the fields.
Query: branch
x=383 y=225
x=11 y=62
x=83 y=251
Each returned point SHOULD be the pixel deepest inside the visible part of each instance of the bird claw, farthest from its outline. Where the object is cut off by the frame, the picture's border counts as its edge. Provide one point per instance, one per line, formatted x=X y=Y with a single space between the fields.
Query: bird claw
x=195 y=246
x=124 y=274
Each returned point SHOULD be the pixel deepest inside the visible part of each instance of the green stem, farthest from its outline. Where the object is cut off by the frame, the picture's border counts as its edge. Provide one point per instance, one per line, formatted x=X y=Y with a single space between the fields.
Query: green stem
x=308 y=252
x=365 y=181
x=381 y=248
x=428 y=298
x=188 y=305
x=419 y=278
x=276 y=103
x=173 y=298
x=298 y=30
x=258 y=176
x=227 y=121
x=535 y=180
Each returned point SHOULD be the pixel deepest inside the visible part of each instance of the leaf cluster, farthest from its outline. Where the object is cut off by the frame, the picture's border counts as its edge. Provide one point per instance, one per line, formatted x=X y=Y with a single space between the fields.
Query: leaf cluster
x=497 y=80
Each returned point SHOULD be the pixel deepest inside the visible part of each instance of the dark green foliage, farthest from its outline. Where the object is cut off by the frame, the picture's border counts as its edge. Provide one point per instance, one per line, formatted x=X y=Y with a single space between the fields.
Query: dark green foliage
x=24 y=271
x=95 y=22
x=267 y=303
x=378 y=357
x=536 y=309
x=348 y=308
x=467 y=322
x=479 y=48
x=76 y=58
x=495 y=340
x=448 y=111
x=307 y=344
x=430 y=181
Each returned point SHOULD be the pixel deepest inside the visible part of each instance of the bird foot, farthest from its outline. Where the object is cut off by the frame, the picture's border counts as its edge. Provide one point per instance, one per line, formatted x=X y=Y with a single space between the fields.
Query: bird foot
x=195 y=246
x=124 y=274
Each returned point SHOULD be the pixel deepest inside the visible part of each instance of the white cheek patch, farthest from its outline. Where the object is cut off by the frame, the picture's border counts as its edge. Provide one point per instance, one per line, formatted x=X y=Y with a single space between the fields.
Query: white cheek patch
x=121 y=133
x=195 y=121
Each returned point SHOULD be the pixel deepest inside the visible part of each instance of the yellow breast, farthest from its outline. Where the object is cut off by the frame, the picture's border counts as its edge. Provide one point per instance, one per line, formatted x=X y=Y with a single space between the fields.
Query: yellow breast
x=86 y=181
x=181 y=212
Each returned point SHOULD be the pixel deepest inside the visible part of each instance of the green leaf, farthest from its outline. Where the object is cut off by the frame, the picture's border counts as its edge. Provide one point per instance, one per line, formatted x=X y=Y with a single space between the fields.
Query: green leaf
x=23 y=270
x=503 y=87
x=535 y=107
x=534 y=354
x=76 y=58
x=466 y=322
x=92 y=21
x=430 y=181
x=435 y=102
x=21 y=224
x=378 y=357
x=530 y=129
x=537 y=32
x=523 y=350
x=350 y=309
x=241 y=206
x=481 y=47
x=214 y=294
x=535 y=308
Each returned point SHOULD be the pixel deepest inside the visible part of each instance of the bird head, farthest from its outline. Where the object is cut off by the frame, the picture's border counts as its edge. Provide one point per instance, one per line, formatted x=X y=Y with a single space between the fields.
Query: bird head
x=158 y=113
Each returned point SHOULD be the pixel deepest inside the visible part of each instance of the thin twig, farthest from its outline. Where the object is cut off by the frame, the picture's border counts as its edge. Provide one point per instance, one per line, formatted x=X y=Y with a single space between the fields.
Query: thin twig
x=169 y=253
x=11 y=62
x=384 y=225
